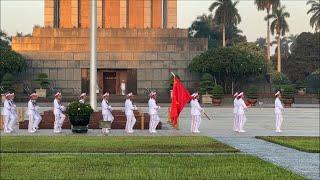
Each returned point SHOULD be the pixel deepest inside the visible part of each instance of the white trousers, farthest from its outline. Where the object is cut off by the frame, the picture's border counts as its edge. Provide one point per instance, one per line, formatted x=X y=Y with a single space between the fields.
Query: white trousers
x=235 y=122
x=58 y=121
x=12 y=121
x=241 y=120
x=154 y=121
x=195 y=123
x=279 y=120
x=34 y=120
x=123 y=92
x=6 y=121
x=131 y=120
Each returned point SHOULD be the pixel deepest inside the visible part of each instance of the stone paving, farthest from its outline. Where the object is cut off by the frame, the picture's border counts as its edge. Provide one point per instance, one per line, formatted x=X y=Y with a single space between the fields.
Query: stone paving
x=306 y=164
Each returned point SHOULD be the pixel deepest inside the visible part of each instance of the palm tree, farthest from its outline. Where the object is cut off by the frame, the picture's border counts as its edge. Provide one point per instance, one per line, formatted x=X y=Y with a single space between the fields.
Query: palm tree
x=279 y=26
x=267 y=5
x=226 y=14
x=315 y=18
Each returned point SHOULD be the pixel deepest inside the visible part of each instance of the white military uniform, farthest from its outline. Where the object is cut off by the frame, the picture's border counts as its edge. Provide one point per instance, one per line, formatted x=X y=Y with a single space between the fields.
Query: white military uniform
x=235 y=117
x=278 y=111
x=58 y=116
x=106 y=113
x=131 y=120
x=196 y=115
x=241 y=117
x=13 y=116
x=6 y=116
x=34 y=116
x=154 y=117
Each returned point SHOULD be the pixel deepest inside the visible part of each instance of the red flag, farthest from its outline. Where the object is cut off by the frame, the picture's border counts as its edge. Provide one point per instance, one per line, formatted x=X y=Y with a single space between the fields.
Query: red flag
x=180 y=97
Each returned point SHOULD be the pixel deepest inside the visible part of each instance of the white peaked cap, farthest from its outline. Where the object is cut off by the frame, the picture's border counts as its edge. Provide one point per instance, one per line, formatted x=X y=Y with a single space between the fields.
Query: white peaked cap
x=106 y=94
x=235 y=94
x=195 y=94
x=33 y=94
x=276 y=94
x=57 y=94
x=152 y=93
x=83 y=94
x=130 y=94
x=240 y=94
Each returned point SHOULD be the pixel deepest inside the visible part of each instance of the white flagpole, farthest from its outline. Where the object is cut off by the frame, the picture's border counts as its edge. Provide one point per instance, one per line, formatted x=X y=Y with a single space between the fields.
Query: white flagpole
x=93 y=59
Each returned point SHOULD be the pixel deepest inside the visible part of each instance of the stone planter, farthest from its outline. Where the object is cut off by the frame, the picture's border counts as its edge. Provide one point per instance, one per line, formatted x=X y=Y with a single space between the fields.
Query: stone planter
x=79 y=123
x=42 y=92
x=216 y=102
x=206 y=99
x=252 y=102
x=287 y=103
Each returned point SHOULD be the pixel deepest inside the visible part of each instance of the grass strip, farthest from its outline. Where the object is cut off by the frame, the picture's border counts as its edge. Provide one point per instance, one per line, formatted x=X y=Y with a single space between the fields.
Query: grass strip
x=112 y=144
x=140 y=167
x=301 y=143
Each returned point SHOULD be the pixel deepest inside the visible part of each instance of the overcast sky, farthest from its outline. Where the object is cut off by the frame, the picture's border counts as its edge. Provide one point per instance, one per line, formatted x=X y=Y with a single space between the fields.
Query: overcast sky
x=22 y=15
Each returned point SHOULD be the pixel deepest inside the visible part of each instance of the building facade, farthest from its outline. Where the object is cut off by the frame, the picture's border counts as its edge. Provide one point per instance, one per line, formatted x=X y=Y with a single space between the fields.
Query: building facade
x=138 y=42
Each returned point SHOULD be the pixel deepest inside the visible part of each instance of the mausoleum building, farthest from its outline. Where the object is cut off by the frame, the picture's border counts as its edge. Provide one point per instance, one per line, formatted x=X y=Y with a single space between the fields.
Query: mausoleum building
x=138 y=42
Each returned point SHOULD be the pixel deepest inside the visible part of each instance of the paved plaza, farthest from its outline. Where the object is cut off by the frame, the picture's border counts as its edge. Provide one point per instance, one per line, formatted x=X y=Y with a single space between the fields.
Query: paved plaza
x=299 y=121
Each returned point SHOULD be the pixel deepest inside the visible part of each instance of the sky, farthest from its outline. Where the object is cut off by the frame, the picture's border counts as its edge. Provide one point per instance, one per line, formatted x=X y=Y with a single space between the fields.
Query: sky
x=22 y=15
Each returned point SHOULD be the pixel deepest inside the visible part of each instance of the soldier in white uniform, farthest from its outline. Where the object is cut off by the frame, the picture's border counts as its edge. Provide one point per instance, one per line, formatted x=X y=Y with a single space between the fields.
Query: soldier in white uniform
x=241 y=117
x=82 y=98
x=278 y=111
x=6 y=113
x=58 y=113
x=196 y=111
x=129 y=108
x=235 y=100
x=34 y=115
x=13 y=114
x=106 y=111
x=153 y=112
x=123 y=88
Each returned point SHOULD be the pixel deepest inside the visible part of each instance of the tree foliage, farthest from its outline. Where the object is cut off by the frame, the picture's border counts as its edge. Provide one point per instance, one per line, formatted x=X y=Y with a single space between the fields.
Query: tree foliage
x=11 y=62
x=229 y=64
x=315 y=11
x=206 y=27
x=304 y=58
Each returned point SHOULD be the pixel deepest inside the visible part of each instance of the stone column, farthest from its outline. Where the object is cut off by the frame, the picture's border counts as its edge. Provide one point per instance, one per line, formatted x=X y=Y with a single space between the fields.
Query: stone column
x=164 y=13
x=99 y=13
x=172 y=14
x=74 y=13
x=48 y=13
x=157 y=14
x=147 y=13
x=123 y=13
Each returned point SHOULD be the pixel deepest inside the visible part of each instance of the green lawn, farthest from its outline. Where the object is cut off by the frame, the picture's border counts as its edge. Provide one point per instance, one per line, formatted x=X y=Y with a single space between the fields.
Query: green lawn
x=233 y=166
x=307 y=144
x=94 y=144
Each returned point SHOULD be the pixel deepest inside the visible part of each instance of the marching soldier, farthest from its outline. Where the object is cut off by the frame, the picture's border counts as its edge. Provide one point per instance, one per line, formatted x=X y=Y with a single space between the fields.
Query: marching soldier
x=6 y=113
x=153 y=112
x=34 y=115
x=241 y=117
x=129 y=108
x=106 y=112
x=58 y=113
x=82 y=98
x=235 y=125
x=13 y=113
x=196 y=111
x=278 y=111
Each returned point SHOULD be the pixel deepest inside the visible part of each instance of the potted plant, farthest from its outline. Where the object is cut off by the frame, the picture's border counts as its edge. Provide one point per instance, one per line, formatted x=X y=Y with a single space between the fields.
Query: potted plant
x=288 y=95
x=43 y=81
x=217 y=95
x=252 y=96
x=79 y=116
x=206 y=85
x=171 y=84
